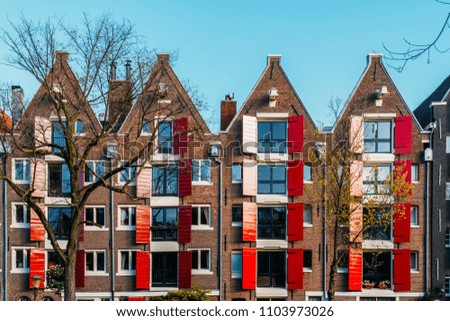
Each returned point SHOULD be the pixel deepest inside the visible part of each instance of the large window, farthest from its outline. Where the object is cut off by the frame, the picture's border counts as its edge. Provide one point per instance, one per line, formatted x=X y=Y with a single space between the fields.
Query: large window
x=95 y=262
x=271 y=269
x=164 y=269
x=22 y=171
x=272 y=137
x=201 y=216
x=201 y=171
x=164 y=224
x=59 y=220
x=93 y=169
x=377 y=136
x=127 y=217
x=271 y=179
x=165 y=180
x=375 y=179
x=377 y=267
x=165 y=138
x=59 y=180
x=377 y=223
x=95 y=217
x=272 y=223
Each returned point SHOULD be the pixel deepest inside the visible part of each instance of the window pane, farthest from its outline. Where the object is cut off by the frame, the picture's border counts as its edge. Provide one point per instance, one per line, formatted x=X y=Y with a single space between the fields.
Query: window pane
x=19 y=170
x=384 y=130
x=383 y=173
x=19 y=259
x=236 y=262
x=236 y=215
x=279 y=131
x=307 y=215
x=195 y=214
x=79 y=126
x=263 y=173
x=204 y=259
x=307 y=259
x=101 y=261
x=414 y=215
x=89 y=216
x=195 y=260
x=90 y=261
x=195 y=171
x=307 y=173
x=125 y=260
x=20 y=214
x=204 y=212
x=206 y=171
x=236 y=173
x=100 y=216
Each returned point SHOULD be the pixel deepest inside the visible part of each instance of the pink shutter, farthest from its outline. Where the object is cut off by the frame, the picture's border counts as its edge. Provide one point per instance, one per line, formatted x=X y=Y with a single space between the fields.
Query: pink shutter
x=249 y=135
x=143 y=270
x=142 y=224
x=402 y=177
x=356 y=222
x=37 y=231
x=37 y=266
x=295 y=178
x=295 y=269
x=402 y=270
x=248 y=268
x=249 y=177
x=403 y=135
x=249 y=222
x=356 y=134
x=82 y=225
x=356 y=178
x=184 y=177
x=354 y=269
x=184 y=270
x=402 y=223
x=80 y=269
x=295 y=222
x=184 y=224
x=37 y=177
x=295 y=134
x=180 y=136
x=42 y=133
x=143 y=181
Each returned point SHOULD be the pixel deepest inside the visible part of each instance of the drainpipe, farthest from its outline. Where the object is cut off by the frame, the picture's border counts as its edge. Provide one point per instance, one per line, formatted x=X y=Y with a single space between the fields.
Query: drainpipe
x=5 y=238
x=220 y=228
x=111 y=237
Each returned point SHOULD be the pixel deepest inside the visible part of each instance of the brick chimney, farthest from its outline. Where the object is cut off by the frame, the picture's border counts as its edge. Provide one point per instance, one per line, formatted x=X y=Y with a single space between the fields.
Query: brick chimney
x=62 y=55
x=120 y=98
x=16 y=103
x=227 y=111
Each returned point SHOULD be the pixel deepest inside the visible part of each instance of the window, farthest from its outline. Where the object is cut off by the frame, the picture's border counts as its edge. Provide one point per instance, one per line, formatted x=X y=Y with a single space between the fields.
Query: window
x=377 y=266
x=164 y=269
x=59 y=180
x=58 y=137
x=165 y=135
x=127 y=262
x=20 y=215
x=165 y=180
x=271 y=179
x=95 y=262
x=272 y=223
x=307 y=260
x=307 y=173
x=95 y=217
x=414 y=261
x=127 y=217
x=377 y=223
x=236 y=265
x=93 y=169
x=236 y=215
x=307 y=215
x=447 y=191
x=343 y=261
x=22 y=171
x=414 y=216
x=201 y=171
x=271 y=269
x=447 y=285
x=375 y=179
x=415 y=173
x=164 y=224
x=236 y=174
x=128 y=173
x=447 y=145
x=377 y=136
x=201 y=261
x=145 y=128
x=79 y=127
x=201 y=216
x=272 y=137
x=447 y=237
x=21 y=260
x=59 y=220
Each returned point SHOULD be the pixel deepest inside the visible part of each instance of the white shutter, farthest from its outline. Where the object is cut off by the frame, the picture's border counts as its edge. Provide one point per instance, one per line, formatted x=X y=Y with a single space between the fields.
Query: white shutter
x=143 y=181
x=356 y=134
x=42 y=133
x=249 y=135
x=249 y=177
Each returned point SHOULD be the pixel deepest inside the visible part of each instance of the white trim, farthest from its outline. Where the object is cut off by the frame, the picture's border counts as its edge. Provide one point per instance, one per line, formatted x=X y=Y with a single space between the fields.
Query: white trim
x=271 y=292
x=277 y=116
x=271 y=199
x=13 y=170
x=272 y=244
x=94 y=227
x=375 y=116
x=14 y=223
x=377 y=244
x=164 y=201
x=14 y=269
x=54 y=158
x=379 y=157
x=164 y=246
x=272 y=157
x=128 y=227
x=203 y=226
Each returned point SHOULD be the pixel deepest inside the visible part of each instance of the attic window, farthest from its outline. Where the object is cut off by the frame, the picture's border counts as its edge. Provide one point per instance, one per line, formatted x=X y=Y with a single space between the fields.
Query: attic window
x=79 y=127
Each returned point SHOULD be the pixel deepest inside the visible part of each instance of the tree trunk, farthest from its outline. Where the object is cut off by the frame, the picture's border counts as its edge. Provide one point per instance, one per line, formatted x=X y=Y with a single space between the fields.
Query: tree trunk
x=70 y=274
x=332 y=281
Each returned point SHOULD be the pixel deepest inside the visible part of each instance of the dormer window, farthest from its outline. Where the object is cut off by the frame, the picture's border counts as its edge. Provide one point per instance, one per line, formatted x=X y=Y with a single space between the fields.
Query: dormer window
x=79 y=127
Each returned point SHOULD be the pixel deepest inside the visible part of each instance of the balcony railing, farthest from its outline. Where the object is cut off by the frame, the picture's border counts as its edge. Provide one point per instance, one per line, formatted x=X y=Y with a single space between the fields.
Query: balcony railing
x=59 y=188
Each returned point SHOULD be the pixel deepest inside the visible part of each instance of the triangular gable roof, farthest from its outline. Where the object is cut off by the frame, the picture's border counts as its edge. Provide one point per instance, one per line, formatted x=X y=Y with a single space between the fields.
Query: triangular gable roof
x=163 y=66
x=264 y=73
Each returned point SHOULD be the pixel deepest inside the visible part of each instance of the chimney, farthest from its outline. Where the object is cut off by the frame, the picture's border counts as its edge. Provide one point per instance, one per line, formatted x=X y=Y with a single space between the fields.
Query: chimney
x=276 y=59
x=62 y=55
x=112 y=72
x=16 y=103
x=128 y=70
x=227 y=111
x=163 y=57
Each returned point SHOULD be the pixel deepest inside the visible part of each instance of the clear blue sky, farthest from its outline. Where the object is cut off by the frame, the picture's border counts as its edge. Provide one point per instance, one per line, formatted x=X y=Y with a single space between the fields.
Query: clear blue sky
x=223 y=45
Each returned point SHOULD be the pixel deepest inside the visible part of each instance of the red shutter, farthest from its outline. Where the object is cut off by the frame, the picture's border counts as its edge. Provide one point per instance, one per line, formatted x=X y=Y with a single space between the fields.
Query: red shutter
x=184 y=177
x=184 y=224
x=295 y=134
x=82 y=224
x=136 y=299
x=295 y=269
x=143 y=270
x=402 y=270
x=248 y=268
x=402 y=223
x=80 y=269
x=295 y=221
x=248 y=222
x=37 y=231
x=37 y=266
x=354 y=269
x=184 y=270
x=403 y=135
x=402 y=177
x=142 y=224
x=295 y=178
x=180 y=136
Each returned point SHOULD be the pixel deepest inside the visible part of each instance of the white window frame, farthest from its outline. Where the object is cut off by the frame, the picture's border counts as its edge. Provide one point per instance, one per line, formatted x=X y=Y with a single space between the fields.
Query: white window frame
x=158 y=120
x=76 y=133
x=14 y=222
x=128 y=169
x=200 y=181
x=120 y=226
x=13 y=171
x=307 y=224
x=447 y=145
x=120 y=271
x=305 y=166
x=145 y=133
x=416 y=208
x=25 y=269
x=235 y=274
x=200 y=226
x=95 y=258
x=94 y=227
x=199 y=270
x=415 y=169
x=415 y=255
x=233 y=181
x=94 y=170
